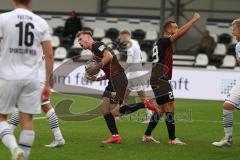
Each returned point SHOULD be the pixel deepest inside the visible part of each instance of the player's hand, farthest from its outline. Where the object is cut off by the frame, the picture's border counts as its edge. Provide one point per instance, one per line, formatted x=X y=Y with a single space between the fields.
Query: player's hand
x=46 y=92
x=90 y=78
x=196 y=16
x=94 y=69
x=90 y=70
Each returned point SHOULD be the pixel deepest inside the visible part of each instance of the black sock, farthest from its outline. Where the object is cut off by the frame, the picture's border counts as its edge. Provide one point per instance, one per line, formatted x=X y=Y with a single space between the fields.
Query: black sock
x=126 y=109
x=152 y=124
x=170 y=125
x=111 y=123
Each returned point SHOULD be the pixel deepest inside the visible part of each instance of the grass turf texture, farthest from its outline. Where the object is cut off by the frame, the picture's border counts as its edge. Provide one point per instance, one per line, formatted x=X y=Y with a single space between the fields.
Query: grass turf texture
x=198 y=123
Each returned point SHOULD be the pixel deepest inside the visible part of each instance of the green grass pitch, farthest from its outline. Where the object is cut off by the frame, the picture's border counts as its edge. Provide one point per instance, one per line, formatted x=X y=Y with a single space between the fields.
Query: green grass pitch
x=198 y=123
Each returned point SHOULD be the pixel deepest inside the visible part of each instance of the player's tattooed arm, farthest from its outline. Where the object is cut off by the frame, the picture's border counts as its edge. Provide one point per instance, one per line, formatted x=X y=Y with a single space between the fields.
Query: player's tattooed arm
x=48 y=52
x=182 y=30
x=107 y=57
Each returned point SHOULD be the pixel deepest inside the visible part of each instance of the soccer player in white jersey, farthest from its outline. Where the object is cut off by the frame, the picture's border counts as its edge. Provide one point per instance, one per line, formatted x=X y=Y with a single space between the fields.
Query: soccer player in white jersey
x=23 y=36
x=134 y=67
x=48 y=109
x=233 y=99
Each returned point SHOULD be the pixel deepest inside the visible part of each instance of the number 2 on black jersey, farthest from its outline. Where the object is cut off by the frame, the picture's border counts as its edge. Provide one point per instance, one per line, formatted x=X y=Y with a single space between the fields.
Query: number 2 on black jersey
x=25 y=34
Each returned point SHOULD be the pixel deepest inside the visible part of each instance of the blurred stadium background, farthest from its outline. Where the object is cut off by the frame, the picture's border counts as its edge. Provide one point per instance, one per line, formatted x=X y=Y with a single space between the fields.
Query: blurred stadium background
x=196 y=76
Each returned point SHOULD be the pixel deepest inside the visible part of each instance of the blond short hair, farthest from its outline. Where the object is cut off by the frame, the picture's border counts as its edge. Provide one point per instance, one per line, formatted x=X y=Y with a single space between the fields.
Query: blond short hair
x=236 y=21
x=84 y=32
x=125 y=32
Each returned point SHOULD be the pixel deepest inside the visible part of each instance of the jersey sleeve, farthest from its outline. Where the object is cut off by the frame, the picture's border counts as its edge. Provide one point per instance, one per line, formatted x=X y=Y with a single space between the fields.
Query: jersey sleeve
x=98 y=48
x=45 y=36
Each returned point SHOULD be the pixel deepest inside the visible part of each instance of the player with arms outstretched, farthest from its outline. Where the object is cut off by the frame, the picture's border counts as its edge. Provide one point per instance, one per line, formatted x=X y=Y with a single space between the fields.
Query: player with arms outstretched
x=161 y=74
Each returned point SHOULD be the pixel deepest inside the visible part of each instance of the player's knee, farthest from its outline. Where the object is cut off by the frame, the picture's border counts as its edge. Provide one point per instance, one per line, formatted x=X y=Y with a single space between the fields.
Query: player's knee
x=46 y=107
x=228 y=106
x=3 y=117
x=115 y=112
x=169 y=107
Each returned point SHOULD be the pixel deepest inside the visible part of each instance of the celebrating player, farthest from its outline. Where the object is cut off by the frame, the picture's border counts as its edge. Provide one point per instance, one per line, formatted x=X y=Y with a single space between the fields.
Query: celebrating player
x=23 y=34
x=117 y=84
x=134 y=67
x=233 y=99
x=161 y=74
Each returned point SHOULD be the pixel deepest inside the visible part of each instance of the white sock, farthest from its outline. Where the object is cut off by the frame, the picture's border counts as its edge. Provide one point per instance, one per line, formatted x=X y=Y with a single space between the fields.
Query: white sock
x=228 y=122
x=149 y=114
x=7 y=136
x=53 y=123
x=26 y=140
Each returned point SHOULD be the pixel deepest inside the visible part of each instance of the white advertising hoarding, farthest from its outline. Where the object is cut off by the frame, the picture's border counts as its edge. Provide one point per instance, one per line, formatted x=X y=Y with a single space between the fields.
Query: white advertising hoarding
x=187 y=83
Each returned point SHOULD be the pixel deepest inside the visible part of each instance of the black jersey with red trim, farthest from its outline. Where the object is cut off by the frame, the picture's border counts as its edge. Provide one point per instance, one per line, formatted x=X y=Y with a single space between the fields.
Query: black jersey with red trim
x=113 y=67
x=163 y=58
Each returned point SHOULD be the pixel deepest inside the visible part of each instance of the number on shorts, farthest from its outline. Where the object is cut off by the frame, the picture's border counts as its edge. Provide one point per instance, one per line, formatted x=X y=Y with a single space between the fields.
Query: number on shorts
x=170 y=95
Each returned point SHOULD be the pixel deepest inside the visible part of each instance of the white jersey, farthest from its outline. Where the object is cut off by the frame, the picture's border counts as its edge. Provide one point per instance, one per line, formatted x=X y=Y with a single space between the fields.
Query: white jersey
x=134 y=60
x=237 y=50
x=234 y=95
x=22 y=33
x=134 y=53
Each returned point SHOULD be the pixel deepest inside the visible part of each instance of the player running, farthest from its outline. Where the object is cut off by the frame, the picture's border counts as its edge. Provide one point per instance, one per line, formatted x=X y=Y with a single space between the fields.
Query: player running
x=161 y=74
x=134 y=67
x=23 y=34
x=233 y=99
x=115 y=90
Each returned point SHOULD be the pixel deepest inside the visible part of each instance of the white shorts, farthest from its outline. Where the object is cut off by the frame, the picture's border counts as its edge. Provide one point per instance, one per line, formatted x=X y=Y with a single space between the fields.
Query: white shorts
x=136 y=84
x=44 y=101
x=25 y=93
x=234 y=96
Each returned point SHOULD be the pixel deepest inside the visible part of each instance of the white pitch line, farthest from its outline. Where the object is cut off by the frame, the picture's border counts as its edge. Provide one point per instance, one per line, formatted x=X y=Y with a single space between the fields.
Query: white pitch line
x=181 y=121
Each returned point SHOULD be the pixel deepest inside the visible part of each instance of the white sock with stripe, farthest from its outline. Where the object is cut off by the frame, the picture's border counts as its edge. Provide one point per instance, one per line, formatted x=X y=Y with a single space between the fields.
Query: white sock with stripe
x=26 y=140
x=54 y=125
x=228 y=122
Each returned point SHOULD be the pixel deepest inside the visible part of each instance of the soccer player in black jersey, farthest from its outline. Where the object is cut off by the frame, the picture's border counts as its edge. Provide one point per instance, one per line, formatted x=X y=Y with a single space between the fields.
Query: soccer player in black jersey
x=161 y=74
x=117 y=84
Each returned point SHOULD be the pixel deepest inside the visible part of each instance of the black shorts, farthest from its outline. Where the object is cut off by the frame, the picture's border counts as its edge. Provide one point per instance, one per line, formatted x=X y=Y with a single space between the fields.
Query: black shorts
x=116 y=88
x=162 y=90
